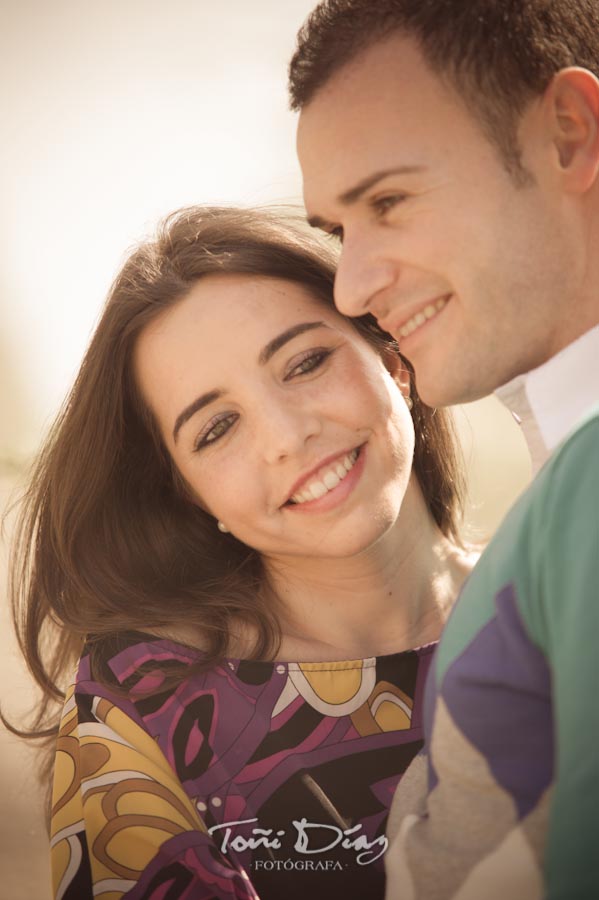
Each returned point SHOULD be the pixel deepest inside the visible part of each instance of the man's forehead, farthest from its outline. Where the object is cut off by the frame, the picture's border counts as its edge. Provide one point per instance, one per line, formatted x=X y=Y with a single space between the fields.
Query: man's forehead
x=341 y=159
x=395 y=62
x=361 y=123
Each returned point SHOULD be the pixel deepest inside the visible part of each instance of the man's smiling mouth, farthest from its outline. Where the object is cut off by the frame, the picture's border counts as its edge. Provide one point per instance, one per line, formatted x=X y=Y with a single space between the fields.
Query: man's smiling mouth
x=429 y=312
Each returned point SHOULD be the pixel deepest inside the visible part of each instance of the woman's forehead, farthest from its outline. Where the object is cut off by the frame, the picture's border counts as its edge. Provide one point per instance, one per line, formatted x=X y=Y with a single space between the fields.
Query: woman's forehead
x=241 y=307
x=224 y=321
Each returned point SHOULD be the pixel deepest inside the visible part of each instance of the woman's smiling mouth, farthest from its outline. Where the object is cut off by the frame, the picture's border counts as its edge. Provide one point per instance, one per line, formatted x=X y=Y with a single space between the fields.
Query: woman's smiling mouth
x=327 y=479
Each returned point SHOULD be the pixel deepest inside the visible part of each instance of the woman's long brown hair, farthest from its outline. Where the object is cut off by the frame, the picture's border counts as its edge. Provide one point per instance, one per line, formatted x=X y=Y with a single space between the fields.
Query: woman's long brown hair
x=108 y=540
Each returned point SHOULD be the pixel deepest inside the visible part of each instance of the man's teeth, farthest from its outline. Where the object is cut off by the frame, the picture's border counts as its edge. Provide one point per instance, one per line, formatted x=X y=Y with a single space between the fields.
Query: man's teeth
x=327 y=479
x=420 y=318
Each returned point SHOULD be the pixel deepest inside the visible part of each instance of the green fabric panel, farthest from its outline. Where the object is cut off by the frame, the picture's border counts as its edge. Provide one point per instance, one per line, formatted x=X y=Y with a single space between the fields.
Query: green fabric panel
x=506 y=560
x=564 y=618
x=548 y=547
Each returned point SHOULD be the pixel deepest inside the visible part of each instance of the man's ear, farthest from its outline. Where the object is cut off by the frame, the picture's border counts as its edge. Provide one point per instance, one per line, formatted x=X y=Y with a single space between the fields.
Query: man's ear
x=572 y=104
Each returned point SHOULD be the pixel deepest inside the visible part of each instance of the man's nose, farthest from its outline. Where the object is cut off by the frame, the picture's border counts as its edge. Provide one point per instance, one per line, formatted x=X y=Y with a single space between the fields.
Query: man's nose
x=363 y=274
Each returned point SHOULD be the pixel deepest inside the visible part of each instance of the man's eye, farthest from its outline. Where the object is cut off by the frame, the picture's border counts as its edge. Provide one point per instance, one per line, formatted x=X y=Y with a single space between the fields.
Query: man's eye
x=215 y=431
x=309 y=363
x=335 y=234
x=383 y=204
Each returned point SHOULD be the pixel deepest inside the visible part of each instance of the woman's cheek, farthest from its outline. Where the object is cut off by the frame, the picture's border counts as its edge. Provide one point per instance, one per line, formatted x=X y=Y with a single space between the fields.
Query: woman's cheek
x=401 y=433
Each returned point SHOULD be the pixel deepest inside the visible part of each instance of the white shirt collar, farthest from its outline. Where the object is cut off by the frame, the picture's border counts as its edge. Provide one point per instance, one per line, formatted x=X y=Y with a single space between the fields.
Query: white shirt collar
x=549 y=401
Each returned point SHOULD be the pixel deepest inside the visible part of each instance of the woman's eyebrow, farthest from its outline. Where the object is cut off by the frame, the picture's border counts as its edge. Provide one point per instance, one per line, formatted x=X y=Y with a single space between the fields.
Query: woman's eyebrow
x=192 y=409
x=281 y=339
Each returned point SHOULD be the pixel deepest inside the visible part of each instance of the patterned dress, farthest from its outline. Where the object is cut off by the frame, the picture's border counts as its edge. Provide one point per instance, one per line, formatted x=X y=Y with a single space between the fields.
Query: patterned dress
x=251 y=780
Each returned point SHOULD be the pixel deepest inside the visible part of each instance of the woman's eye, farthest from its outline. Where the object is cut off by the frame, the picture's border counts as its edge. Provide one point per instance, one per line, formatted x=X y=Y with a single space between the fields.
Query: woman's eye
x=215 y=431
x=309 y=363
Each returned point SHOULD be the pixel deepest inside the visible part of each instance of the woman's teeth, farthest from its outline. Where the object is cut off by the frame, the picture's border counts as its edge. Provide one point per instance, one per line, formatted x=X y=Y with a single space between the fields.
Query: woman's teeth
x=420 y=318
x=328 y=479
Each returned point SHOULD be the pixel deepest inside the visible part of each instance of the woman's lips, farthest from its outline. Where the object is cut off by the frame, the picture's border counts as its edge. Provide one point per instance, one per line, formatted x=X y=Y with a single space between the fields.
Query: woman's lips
x=338 y=491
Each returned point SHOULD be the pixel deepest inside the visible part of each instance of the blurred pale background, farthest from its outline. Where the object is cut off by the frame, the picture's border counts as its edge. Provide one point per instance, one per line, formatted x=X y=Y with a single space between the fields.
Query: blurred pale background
x=113 y=115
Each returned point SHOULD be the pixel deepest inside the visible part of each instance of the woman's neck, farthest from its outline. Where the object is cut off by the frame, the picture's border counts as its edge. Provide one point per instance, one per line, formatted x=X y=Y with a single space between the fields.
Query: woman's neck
x=393 y=596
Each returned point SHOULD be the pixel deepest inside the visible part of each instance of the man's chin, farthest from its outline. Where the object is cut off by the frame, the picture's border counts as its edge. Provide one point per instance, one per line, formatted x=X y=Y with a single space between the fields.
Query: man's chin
x=436 y=391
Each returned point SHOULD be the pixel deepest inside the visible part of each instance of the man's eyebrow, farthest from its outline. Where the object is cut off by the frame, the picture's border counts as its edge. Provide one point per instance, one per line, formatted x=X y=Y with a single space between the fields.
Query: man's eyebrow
x=354 y=193
x=192 y=409
x=281 y=339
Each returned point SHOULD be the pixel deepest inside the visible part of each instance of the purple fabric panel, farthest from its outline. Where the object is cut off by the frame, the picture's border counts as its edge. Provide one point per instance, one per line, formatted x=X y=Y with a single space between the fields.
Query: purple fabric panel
x=425 y=661
x=236 y=707
x=283 y=717
x=328 y=729
x=428 y=712
x=131 y=658
x=297 y=762
x=245 y=735
x=95 y=689
x=83 y=671
x=278 y=769
x=187 y=868
x=498 y=692
x=384 y=791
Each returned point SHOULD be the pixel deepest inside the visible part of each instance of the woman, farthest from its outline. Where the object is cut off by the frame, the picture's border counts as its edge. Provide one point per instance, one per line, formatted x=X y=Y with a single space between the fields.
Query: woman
x=226 y=527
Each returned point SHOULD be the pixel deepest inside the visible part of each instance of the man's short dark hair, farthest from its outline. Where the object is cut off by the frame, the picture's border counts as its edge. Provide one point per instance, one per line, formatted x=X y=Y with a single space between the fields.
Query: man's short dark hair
x=497 y=54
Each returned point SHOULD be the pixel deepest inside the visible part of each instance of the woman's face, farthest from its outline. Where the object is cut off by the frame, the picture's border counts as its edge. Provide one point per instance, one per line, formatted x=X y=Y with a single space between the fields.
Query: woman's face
x=282 y=419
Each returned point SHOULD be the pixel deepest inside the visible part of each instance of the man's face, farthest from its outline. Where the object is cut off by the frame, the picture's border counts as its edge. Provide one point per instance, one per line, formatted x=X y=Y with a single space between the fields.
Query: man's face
x=473 y=273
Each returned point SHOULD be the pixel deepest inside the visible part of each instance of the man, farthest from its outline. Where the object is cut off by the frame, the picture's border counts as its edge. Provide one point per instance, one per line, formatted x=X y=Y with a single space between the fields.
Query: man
x=453 y=147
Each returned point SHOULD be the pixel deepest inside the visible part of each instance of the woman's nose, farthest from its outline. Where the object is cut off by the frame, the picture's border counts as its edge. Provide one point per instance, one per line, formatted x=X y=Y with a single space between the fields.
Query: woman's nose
x=285 y=426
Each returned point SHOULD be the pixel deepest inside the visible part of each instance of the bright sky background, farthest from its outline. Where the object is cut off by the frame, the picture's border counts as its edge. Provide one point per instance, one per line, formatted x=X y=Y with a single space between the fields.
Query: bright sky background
x=114 y=114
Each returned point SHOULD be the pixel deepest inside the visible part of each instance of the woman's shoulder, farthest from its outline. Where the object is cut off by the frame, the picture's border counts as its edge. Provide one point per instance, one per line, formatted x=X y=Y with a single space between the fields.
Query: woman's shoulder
x=136 y=670
x=121 y=660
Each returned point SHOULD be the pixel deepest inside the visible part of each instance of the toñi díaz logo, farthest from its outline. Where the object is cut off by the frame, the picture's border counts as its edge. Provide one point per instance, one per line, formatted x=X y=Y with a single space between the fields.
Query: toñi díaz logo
x=308 y=839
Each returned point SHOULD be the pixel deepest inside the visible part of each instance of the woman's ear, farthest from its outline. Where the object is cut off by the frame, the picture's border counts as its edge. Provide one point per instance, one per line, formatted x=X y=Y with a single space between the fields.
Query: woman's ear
x=404 y=380
x=397 y=369
x=391 y=360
